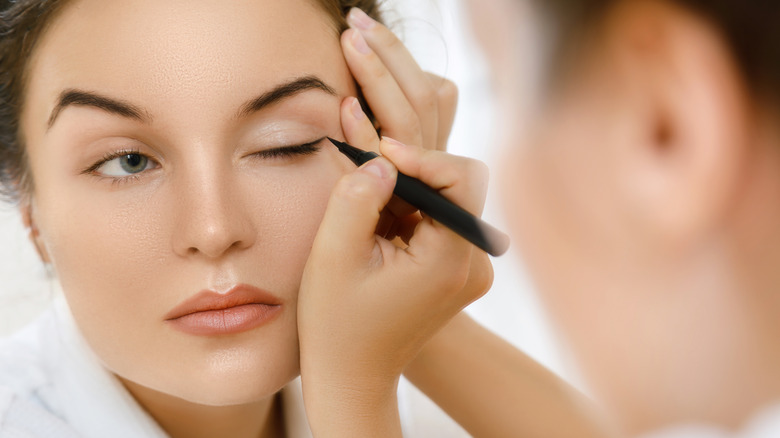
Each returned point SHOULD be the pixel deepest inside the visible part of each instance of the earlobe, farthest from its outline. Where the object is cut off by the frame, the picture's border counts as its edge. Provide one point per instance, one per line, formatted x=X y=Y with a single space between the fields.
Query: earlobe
x=692 y=135
x=28 y=219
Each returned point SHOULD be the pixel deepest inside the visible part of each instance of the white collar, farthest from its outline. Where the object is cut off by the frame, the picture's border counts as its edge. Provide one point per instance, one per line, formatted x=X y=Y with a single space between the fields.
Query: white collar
x=95 y=403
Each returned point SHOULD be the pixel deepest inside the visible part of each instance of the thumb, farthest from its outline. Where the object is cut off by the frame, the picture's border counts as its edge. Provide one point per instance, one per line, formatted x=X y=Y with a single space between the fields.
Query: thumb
x=347 y=229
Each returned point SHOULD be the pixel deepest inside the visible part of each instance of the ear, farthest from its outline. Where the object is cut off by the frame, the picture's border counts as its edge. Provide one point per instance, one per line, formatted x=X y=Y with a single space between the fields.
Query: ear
x=27 y=209
x=690 y=141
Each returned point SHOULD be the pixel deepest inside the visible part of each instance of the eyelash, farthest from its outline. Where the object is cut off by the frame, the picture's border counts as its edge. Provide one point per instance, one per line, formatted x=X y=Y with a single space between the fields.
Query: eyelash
x=280 y=152
x=289 y=151
x=92 y=170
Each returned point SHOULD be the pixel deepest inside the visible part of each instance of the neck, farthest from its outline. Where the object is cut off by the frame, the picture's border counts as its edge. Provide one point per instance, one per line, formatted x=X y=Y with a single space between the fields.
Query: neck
x=180 y=418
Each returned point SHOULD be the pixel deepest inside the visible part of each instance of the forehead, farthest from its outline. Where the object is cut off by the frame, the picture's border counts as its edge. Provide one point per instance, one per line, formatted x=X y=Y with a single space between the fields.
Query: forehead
x=184 y=50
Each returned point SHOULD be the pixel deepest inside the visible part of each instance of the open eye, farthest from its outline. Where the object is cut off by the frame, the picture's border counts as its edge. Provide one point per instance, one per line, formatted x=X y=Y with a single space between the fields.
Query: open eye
x=122 y=164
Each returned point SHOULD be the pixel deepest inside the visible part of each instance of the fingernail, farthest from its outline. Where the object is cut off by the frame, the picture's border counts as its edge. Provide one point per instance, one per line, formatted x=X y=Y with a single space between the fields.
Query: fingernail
x=360 y=43
x=376 y=167
x=361 y=20
x=357 y=110
x=393 y=142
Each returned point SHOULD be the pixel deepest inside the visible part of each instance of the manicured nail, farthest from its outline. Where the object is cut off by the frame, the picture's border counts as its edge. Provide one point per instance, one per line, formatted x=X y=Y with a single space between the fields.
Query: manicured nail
x=376 y=167
x=357 y=110
x=393 y=142
x=358 y=18
x=360 y=43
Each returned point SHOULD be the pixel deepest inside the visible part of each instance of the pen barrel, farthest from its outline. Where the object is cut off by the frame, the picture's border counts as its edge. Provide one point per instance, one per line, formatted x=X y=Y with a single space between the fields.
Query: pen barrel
x=444 y=211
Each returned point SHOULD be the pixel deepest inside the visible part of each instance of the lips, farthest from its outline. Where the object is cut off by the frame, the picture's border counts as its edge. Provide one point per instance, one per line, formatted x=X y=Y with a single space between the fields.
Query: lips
x=241 y=308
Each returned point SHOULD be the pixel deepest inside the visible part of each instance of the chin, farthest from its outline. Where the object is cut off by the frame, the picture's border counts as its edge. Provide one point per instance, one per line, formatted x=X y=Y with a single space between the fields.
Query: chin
x=231 y=395
x=229 y=377
x=235 y=382
x=209 y=389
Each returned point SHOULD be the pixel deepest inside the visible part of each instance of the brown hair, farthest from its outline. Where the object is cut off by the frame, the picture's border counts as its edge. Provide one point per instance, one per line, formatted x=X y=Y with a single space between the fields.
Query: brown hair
x=21 y=24
x=749 y=27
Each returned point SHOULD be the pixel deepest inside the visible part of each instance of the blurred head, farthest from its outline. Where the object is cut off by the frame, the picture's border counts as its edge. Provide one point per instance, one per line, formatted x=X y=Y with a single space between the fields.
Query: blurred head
x=135 y=136
x=643 y=191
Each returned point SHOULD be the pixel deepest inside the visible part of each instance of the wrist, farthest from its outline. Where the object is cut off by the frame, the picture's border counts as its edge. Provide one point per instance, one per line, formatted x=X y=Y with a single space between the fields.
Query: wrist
x=440 y=349
x=338 y=406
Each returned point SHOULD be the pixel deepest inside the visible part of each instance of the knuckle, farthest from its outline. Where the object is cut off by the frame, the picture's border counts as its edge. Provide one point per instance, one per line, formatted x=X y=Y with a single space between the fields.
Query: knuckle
x=447 y=92
x=483 y=275
x=426 y=100
x=474 y=278
x=376 y=69
x=478 y=171
x=388 y=39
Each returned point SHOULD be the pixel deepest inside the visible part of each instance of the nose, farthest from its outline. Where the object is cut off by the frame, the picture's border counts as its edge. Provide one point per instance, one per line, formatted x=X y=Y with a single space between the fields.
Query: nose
x=212 y=219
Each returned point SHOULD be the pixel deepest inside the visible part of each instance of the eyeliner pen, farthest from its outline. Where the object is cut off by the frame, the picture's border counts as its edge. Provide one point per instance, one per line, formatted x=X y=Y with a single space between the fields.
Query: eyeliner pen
x=439 y=208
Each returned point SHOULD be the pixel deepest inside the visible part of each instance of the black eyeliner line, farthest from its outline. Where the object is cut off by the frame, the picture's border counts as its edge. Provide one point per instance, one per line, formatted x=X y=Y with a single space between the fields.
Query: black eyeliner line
x=302 y=149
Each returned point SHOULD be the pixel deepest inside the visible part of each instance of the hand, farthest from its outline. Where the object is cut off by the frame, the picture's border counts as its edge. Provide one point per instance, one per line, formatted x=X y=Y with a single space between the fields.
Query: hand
x=367 y=306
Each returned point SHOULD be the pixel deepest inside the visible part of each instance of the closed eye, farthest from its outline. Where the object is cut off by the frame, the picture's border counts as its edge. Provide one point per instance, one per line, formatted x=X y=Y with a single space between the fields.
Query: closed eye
x=291 y=151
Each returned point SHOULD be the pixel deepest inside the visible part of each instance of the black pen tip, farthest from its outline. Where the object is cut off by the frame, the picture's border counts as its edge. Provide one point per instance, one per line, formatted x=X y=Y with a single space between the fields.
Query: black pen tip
x=335 y=142
x=351 y=152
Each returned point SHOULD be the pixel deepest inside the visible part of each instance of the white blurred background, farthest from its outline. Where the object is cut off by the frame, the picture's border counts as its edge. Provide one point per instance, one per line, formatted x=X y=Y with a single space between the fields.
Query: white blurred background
x=438 y=34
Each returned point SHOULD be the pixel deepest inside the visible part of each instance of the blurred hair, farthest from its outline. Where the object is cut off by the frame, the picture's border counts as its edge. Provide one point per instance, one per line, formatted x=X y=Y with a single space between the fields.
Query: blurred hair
x=749 y=27
x=22 y=22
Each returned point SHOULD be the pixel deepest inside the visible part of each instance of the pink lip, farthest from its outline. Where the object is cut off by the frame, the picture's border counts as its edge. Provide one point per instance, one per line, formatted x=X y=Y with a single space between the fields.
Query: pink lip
x=241 y=308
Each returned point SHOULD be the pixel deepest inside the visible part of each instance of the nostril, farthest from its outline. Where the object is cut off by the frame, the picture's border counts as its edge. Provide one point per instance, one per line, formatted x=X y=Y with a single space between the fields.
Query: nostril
x=211 y=223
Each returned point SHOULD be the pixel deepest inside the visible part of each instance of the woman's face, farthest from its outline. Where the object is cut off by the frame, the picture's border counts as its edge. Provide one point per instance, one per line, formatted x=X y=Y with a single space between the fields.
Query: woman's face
x=146 y=140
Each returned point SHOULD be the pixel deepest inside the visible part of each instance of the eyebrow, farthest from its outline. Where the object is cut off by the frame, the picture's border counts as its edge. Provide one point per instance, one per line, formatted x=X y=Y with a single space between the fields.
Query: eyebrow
x=75 y=97
x=285 y=91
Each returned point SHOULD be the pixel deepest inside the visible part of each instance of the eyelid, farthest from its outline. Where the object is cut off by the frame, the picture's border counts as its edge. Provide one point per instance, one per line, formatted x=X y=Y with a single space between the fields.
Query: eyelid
x=283 y=151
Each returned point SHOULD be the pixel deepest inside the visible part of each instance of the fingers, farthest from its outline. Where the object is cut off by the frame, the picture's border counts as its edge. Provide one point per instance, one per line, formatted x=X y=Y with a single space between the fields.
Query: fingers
x=447 y=95
x=357 y=128
x=403 y=68
x=383 y=94
x=411 y=105
x=459 y=179
x=347 y=229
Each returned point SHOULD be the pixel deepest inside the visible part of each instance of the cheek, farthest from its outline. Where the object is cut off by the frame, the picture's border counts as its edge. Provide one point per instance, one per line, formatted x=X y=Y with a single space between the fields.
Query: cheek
x=289 y=217
x=107 y=254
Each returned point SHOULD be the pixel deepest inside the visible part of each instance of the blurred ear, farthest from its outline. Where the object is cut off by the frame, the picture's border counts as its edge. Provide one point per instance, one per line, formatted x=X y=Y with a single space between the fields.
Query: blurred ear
x=26 y=208
x=690 y=122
